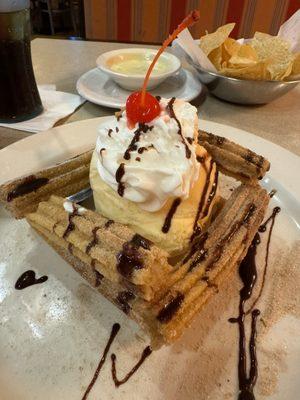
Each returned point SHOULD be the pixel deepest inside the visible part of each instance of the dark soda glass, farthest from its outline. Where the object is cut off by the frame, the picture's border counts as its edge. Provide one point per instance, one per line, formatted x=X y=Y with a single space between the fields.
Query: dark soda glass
x=19 y=96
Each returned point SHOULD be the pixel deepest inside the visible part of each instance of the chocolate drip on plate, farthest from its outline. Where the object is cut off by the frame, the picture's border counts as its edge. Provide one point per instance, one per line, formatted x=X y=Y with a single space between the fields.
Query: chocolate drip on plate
x=30 y=184
x=123 y=299
x=272 y=193
x=113 y=334
x=110 y=131
x=172 y=114
x=28 y=279
x=271 y=219
x=248 y=275
x=170 y=309
x=169 y=216
x=118 y=382
x=130 y=259
x=262 y=228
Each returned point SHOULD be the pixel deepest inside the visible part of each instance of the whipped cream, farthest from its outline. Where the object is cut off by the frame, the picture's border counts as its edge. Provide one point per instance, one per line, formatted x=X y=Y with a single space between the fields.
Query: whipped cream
x=154 y=163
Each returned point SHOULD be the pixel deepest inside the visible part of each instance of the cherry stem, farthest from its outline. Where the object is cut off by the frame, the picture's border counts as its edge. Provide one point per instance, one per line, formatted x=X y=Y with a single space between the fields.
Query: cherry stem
x=188 y=21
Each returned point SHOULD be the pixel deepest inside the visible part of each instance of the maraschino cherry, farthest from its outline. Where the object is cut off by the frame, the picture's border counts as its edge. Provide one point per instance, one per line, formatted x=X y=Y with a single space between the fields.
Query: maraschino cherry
x=142 y=106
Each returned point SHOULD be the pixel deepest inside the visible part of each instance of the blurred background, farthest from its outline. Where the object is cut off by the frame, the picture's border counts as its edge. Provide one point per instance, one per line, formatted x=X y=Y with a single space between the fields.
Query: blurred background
x=150 y=21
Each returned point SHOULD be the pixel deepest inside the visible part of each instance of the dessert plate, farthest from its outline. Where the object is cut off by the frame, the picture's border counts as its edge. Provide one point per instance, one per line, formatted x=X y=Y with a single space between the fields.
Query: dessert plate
x=53 y=334
x=97 y=87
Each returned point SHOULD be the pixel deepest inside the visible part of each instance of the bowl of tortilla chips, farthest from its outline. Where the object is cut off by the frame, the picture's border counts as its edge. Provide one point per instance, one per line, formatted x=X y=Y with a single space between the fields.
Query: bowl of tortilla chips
x=251 y=71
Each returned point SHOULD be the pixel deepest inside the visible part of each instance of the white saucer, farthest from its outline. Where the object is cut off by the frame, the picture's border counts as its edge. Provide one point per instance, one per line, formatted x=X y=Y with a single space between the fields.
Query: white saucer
x=98 y=88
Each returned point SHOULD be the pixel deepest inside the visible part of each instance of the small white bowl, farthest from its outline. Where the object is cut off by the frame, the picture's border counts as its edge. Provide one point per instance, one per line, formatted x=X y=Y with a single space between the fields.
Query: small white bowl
x=135 y=82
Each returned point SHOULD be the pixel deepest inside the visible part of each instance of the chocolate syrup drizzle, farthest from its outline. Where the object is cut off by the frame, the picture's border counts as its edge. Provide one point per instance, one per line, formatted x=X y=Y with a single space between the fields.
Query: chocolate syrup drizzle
x=113 y=334
x=262 y=228
x=30 y=184
x=248 y=275
x=28 y=279
x=123 y=299
x=169 y=216
x=198 y=245
x=196 y=228
x=143 y=128
x=118 y=382
x=272 y=193
x=172 y=114
x=119 y=175
x=108 y=223
x=98 y=278
x=71 y=225
x=130 y=259
x=94 y=242
x=168 y=311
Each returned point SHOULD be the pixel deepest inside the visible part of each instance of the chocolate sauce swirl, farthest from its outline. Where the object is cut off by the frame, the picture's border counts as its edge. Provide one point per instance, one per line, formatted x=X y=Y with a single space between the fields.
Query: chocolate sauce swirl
x=118 y=382
x=30 y=184
x=172 y=114
x=169 y=216
x=28 y=279
x=113 y=334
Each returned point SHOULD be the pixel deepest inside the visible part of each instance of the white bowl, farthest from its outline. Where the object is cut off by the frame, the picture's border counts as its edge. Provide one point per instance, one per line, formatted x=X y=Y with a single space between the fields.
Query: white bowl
x=135 y=82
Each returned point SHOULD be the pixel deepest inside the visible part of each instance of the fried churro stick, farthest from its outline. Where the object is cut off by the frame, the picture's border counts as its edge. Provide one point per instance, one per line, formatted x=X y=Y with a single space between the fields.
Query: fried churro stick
x=117 y=252
x=233 y=159
x=162 y=298
x=21 y=196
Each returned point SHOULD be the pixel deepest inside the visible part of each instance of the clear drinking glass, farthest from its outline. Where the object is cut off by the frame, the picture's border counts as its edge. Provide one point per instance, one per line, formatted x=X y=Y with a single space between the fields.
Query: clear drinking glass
x=19 y=96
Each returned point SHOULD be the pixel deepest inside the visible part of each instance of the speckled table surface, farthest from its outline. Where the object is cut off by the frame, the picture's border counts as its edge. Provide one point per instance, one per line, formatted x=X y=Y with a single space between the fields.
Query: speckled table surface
x=62 y=62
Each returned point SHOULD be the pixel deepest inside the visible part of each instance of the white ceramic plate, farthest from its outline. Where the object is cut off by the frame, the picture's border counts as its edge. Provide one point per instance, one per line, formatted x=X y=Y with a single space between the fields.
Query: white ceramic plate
x=52 y=335
x=97 y=87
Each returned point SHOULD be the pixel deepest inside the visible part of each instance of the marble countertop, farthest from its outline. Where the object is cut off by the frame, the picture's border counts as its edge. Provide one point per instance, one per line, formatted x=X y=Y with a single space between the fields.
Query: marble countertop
x=62 y=62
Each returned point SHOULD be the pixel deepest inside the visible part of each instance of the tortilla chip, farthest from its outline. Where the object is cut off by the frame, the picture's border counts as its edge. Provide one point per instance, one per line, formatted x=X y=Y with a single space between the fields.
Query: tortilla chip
x=213 y=40
x=254 y=72
x=275 y=51
x=215 y=57
x=296 y=65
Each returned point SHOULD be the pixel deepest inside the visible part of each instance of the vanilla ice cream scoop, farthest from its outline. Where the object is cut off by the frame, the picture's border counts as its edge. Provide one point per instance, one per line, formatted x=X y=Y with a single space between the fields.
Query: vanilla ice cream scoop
x=155 y=177
x=150 y=163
